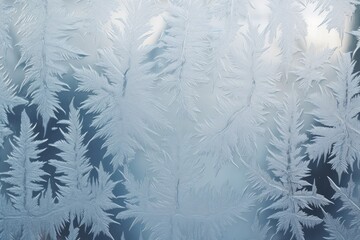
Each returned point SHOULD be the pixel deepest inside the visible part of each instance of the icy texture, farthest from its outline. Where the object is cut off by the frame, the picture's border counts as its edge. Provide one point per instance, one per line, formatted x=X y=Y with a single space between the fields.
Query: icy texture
x=179 y=120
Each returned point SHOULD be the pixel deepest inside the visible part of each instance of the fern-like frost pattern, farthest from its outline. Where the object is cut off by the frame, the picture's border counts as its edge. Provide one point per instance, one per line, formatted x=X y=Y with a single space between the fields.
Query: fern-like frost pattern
x=179 y=120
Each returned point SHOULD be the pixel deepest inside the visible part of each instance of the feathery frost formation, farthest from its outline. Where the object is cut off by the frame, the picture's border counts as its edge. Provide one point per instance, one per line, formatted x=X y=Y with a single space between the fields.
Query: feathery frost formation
x=179 y=119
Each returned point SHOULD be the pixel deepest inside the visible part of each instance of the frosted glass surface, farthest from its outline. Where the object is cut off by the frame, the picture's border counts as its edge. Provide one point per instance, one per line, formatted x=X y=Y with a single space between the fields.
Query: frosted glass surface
x=179 y=120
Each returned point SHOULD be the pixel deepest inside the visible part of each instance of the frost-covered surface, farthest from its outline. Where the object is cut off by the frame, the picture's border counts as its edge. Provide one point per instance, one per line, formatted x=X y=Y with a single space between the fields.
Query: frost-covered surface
x=179 y=119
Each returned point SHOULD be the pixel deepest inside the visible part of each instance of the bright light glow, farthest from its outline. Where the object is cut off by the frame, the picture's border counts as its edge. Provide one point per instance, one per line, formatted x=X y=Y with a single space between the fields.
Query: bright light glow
x=158 y=25
x=317 y=34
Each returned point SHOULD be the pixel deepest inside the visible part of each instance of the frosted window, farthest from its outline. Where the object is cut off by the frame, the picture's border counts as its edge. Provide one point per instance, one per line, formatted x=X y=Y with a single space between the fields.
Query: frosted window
x=179 y=120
